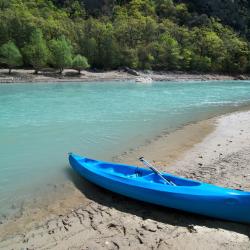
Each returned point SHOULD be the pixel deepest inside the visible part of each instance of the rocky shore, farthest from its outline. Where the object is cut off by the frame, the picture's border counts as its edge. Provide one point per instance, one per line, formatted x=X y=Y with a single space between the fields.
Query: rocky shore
x=104 y=220
x=23 y=75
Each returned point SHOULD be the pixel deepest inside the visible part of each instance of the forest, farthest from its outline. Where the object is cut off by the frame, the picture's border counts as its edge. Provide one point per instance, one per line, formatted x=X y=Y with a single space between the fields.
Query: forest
x=196 y=36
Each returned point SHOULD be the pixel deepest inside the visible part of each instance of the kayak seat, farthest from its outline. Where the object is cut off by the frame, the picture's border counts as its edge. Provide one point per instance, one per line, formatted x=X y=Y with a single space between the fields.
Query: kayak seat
x=178 y=181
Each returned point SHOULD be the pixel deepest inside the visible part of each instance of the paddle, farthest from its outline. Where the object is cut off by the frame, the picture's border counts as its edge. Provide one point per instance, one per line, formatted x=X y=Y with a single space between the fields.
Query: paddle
x=157 y=172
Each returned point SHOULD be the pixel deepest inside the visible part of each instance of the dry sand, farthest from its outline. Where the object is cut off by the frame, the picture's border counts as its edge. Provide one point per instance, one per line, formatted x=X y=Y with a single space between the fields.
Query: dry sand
x=104 y=220
x=24 y=75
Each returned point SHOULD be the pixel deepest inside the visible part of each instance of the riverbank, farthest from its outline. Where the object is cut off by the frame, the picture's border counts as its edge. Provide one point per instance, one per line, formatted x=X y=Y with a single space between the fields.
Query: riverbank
x=22 y=75
x=215 y=151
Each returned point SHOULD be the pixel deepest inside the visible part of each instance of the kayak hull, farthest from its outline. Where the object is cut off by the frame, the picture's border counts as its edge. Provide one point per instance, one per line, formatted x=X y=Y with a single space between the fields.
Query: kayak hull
x=188 y=195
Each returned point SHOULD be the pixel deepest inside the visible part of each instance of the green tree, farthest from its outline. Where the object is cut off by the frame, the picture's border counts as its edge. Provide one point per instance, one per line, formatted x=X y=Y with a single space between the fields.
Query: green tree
x=4 y=4
x=166 y=52
x=10 y=56
x=75 y=9
x=89 y=48
x=201 y=63
x=100 y=44
x=130 y=31
x=237 y=54
x=165 y=8
x=159 y=34
x=141 y=7
x=79 y=63
x=145 y=58
x=61 y=53
x=186 y=59
x=210 y=45
x=37 y=52
x=129 y=58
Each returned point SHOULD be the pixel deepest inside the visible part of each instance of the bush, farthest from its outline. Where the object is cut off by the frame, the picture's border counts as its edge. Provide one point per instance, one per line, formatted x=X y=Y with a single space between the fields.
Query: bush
x=79 y=63
x=10 y=56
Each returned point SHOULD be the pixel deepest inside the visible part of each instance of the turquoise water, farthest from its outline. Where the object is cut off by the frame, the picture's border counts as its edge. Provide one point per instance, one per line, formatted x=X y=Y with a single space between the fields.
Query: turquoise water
x=40 y=123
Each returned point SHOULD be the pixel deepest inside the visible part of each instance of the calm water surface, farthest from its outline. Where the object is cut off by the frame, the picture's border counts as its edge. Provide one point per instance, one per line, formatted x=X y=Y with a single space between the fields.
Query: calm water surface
x=40 y=123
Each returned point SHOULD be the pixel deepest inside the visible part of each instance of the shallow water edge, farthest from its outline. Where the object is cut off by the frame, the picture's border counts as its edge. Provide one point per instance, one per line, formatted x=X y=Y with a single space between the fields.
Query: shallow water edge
x=164 y=149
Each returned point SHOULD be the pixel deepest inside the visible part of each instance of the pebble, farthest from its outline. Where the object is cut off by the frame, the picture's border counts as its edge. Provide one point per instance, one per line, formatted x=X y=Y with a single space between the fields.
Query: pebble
x=191 y=229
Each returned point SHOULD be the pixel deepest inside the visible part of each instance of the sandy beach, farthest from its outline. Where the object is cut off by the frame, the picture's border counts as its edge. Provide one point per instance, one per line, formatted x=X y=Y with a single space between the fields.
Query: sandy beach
x=25 y=75
x=215 y=151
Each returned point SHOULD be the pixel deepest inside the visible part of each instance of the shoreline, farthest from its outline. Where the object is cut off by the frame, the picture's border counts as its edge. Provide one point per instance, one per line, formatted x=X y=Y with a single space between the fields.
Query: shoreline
x=28 y=76
x=54 y=206
x=192 y=146
x=178 y=140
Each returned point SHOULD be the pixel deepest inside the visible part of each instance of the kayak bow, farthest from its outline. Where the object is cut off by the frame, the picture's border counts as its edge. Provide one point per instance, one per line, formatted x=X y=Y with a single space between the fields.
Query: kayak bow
x=187 y=195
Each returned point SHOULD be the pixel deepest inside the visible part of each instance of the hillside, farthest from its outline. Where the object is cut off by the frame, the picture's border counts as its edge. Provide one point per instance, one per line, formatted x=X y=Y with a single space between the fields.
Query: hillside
x=201 y=36
x=235 y=13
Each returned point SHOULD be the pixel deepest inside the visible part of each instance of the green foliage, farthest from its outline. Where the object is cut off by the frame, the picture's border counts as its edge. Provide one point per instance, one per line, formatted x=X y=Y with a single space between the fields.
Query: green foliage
x=61 y=53
x=4 y=4
x=129 y=58
x=36 y=52
x=141 y=7
x=75 y=9
x=234 y=13
x=79 y=63
x=141 y=34
x=165 y=8
x=10 y=55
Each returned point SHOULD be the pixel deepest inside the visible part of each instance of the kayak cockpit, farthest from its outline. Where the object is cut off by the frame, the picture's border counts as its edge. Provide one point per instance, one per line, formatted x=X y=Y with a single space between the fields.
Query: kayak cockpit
x=123 y=170
x=142 y=174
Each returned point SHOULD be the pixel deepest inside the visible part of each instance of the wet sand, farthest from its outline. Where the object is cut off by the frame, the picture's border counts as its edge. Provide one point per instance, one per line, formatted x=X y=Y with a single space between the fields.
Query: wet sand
x=216 y=151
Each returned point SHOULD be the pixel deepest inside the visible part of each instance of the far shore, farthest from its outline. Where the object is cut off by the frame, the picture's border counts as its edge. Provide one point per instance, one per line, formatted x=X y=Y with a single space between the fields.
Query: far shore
x=70 y=75
x=214 y=150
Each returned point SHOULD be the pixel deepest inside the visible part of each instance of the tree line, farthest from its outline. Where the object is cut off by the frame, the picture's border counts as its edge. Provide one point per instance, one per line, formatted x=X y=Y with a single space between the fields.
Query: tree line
x=140 y=34
x=37 y=54
x=233 y=13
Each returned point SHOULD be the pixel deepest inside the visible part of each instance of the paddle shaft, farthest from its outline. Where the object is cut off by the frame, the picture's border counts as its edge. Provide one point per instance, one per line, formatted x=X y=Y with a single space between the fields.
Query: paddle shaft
x=156 y=171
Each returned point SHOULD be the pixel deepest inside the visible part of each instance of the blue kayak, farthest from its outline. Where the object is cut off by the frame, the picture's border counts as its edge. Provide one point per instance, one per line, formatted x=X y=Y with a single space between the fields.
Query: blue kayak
x=187 y=195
